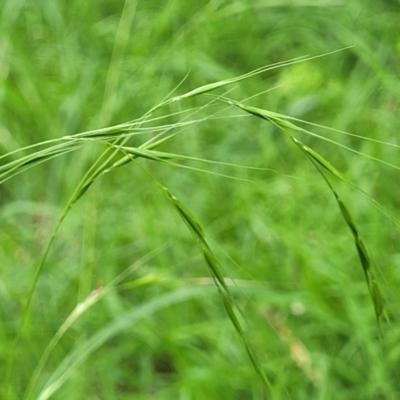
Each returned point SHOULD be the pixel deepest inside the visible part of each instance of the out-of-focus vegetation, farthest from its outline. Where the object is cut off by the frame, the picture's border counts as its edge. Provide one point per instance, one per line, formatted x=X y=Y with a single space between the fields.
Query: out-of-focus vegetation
x=124 y=305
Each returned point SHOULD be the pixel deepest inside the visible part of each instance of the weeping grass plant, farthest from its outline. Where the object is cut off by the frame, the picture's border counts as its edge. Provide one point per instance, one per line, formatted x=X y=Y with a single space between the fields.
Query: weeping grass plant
x=120 y=149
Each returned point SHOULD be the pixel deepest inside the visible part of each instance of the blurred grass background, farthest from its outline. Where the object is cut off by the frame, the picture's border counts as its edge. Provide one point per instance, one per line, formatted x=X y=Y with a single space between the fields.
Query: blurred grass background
x=67 y=67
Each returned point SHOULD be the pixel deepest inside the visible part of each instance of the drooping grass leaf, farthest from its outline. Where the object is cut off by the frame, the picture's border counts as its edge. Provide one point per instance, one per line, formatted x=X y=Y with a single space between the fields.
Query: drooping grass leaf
x=81 y=353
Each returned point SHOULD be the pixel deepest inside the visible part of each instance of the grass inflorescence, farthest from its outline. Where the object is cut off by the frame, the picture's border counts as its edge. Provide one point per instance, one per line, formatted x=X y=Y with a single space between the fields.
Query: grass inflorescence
x=208 y=234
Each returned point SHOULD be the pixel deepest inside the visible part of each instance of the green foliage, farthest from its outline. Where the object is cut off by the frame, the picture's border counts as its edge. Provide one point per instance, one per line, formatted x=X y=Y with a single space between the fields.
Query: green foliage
x=227 y=240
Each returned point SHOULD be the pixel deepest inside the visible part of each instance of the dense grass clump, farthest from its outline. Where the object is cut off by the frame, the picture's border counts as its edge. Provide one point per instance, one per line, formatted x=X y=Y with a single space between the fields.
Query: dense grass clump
x=236 y=237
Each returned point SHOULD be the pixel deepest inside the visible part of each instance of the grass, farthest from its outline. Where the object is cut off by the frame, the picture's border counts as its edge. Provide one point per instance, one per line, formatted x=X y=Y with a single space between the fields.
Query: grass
x=282 y=284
